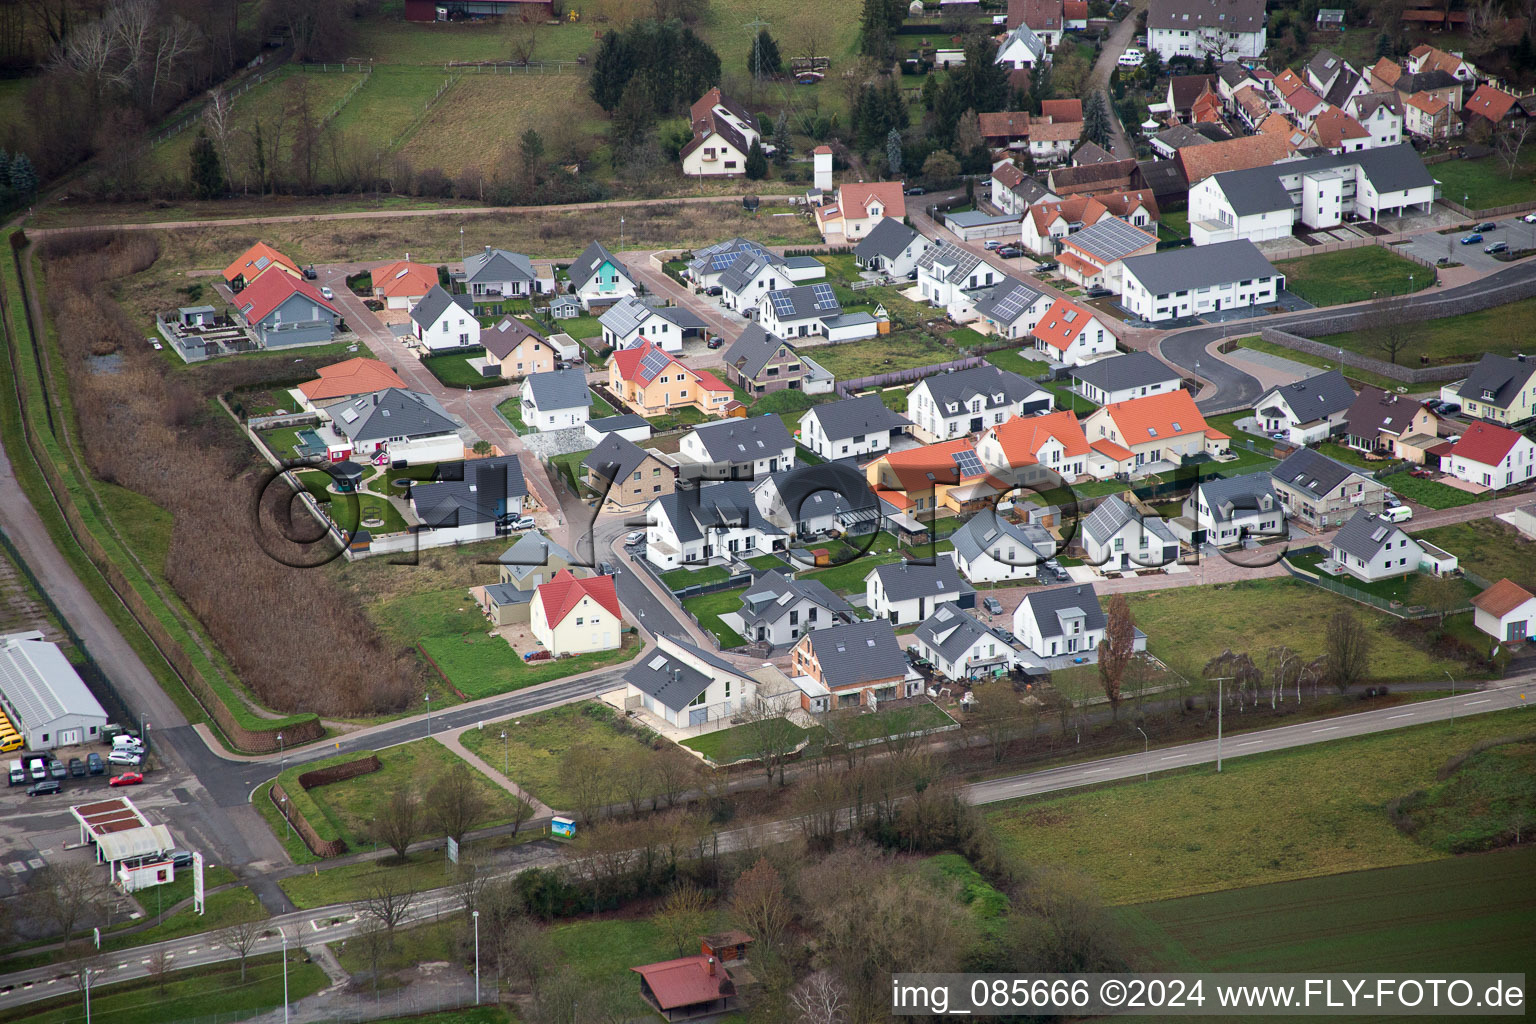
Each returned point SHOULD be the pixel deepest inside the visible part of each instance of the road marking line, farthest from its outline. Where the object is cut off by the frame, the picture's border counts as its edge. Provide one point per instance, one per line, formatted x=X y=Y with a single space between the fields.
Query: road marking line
x=1090 y=771
x=1407 y=714
x=1245 y=743
x=1326 y=728
x=1170 y=757
x=1469 y=703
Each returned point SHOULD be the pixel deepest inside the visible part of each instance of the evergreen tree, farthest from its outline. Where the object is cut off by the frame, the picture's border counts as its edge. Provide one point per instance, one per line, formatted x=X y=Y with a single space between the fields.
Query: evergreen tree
x=611 y=71
x=1040 y=87
x=757 y=164
x=878 y=25
x=23 y=177
x=878 y=108
x=783 y=146
x=698 y=70
x=633 y=120
x=1152 y=66
x=1096 y=120
x=979 y=84
x=764 y=59
x=1524 y=57
x=206 y=173
x=893 y=152
x=5 y=178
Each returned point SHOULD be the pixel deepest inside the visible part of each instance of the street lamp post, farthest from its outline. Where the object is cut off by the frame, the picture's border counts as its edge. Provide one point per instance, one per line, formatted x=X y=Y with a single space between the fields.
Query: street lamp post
x=281 y=749
x=1453 y=693
x=428 y=699
x=1220 y=700
x=284 y=936
x=476 y=916
x=506 y=764
x=286 y=816
x=1146 y=751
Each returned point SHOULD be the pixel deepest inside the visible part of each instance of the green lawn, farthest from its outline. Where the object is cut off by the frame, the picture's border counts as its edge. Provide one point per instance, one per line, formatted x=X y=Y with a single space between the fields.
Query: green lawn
x=600 y=407
x=1255 y=615
x=686 y=416
x=582 y=328
x=1505 y=330
x=897 y=721
x=1397 y=588
x=1017 y=360
x=1316 y=810
x=570 y=465
x=1488 y=547
x=727 y=746
x=1433 y=493
x=598 y=952
x=1227 y=424
x=967 y=338
x=767 y=562
x=1173 y=225
x=884 y=353
x=1352 y=275
x=512 y=411
x=1353 y=456
x=708 y=608
x=848 y=577
x=345 y=883
x=677 y=579
x=453 y=370
x=536 y=744
x=351 y=511
x=1486 y=183
x=1306 y=358
x=451 y=631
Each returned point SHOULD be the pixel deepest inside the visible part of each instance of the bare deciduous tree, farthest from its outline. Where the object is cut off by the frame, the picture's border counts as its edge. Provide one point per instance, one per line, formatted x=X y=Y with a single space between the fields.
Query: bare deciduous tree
x=819 y=999
x=1392 y=327
x=1441 y=595
x=676 y=773
x=1509 y=142
x=588 y=772
x=387 y=902
x=158 y=967
x=240 y=939
x=1116 y=650
x=456 y=802
x=372 y=940
x=636 y=777
x=1348 y=644
x=399 y=820
x=683 y=916
x=63 y=893
x=761 y=905
x=998 y=714
x=774 y=737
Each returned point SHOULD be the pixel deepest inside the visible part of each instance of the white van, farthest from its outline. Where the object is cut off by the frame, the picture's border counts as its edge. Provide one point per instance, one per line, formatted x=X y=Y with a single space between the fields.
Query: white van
x=132 y=743
x=18 y=773
x=1398 y=514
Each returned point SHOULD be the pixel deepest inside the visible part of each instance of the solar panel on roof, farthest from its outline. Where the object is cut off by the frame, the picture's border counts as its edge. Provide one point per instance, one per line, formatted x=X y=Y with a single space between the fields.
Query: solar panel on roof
x=825 y=299
x=782 y=304
x=969 y=464
x=654 y=362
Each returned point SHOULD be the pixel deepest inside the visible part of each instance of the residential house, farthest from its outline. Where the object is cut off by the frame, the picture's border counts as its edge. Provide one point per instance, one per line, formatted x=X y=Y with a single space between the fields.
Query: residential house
x=947 y=474
x=1051 y=142
x=709 y=263
x=779 y=609
x=1505 y=611
x=1338 y=132
x=1005 y=129
x=908 y=592
x=1310 y=410
x=1093 y=179
x=1117 y=538
x=1381 y=114
x=1223 y=30
x=1251 y=107
x=521 y=570
x=811 y=309
x=1372 y=548
x=1169 y=141
x=948 y=274
x=1036 y=447
x=1427 y=116
x=759 y=363
x=255 y=261
x=1185 y=90
x=1499 y=389
x=991 y=549
x=1060 y=621
x=626 y=425
x=1013 y=191
x=1316 y=490
x=470 y=501
x=1046 y=18
x=1423 y=58
x=1499 y=108
x=1199 y=279
x=698 y=525
x=598 y=279
x=1094 y=256
x=948 y=405
x=1231 y=79
x=851 y=428
x=402 y=284
x=1075 y=15
x=858 y=207
x=688 y=688
x=404 y=427
x=892 y=247
x=443 y=320
x=854 y=662
x=1022 y=48
x=744 y=283
x=558 y=400
x=576 y=616
x=653 y=383
x=1226 y=511
x=629 y=323
x=723 y=133
x=1378 y=419
x=1200 y=162
x=1012 y=308
x=806 y=502
x=516 y=350
x=1159 y=428
x=691 y=987
x=349 y=378
x=1072 y=335
x=626 y=474
x=1491 y=456
x=1124 y=377
x=960 y=648
x=740 y=448
x=283 y=311
x=496 y=273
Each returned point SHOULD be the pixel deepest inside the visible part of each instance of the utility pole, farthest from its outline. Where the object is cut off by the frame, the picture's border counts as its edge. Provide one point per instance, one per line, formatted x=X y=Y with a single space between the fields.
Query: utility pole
x=284 y=935
x=1146 y=751
x=428 y=699
x=1453 y=694
x=476 y=916
x=1219 y=702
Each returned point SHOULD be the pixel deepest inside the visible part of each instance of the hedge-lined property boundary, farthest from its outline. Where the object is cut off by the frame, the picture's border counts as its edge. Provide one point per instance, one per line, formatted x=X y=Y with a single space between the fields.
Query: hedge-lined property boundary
x=304 y=813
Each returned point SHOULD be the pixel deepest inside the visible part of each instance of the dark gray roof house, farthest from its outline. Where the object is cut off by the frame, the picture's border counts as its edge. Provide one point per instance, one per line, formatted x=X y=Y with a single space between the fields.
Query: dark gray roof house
x=744 y=439
x=996 y=387
x=740 y=273
x=856 y=653
x=1111 y=239
x=1199 y=266
x=716 y=258
x=467 y=493
x=1217 y=15
x=1180 y=136
x=1008 y=301
x=1049 y=607
x=532 y=551
x=436 y=302
x=753 y=348
x=1364 y=535
x=903 y=581
x=723 y=504
x=1259 y=189
x=672 y=681
x=951 y=632
x=1496 y=380
x=1375 y=412
x=592 y=258
x=629 y=313
x=854 y=416
x=1230 y=498
x=1165 y=178
x=982 y=530
x=615 y=457
x=888 y=239
x=393 y=413
x=1132 y=370
x=804 y=302
x=1113 y=513
x=1312 y=398
x=767 y=600
x=496 y=266
x=557 y=389
x=1312 y=473
x=959 y=260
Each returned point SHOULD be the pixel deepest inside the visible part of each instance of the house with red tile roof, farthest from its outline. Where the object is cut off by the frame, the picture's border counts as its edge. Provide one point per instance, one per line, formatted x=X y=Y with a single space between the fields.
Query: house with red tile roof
x=1054 y=441
x=282 y=311
x=254 y=262
x=349 y=379
x=1429 y=58
x=858 y=207
x=1072 y=334
x=402 y=284
x=920 y=479
x=1337 y=132
x=1005 y=128
x=576 y=616
x=1505 y=611
x=686 y=988
x=1200 y=162
x=1062 y=110
x=1491 y=456
x=1494 y=105
x=1427 y=116
x=723 y=133
x=653 y=383
x=1157 y=428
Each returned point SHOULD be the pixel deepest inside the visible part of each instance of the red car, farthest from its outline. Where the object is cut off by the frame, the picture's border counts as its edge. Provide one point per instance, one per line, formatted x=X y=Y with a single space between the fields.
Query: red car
x=126 y=779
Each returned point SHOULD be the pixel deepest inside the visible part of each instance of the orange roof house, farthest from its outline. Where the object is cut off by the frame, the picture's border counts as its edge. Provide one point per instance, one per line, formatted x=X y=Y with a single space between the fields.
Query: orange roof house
x=1502 y=598
x=1062 y=110
x=1063 y=326
x=691 y=986
x=653 y=382
x=1493 y=104
x=920 y=479
x=1004 y=126
x=349 y=378
x=1200 y=162
x=1287 y=82
x=1335 y=129
x=1386 y=73
x=403 y=283
x=859 y=206
x=254 y=261
x=1163 y=427
x=1018 y=442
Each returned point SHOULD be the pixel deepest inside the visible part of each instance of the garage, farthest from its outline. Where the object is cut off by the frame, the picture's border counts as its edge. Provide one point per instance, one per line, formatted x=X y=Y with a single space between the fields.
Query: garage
x=44 y=696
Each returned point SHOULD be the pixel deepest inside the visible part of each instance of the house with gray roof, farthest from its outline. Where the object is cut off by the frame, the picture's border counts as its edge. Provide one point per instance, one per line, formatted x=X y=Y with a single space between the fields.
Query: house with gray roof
x=1225 y=511
x=708 y=524
x=960 y=648
x=626 y=474
x=1322 y=492
x=810 y=309
x=949 y=405
x=779 y=609
x=442 y=320
x=410 y=426
x=1371 y=547
x=1013 y=308
x=854 y=662
x=760 y=362
x=497 y=273
x=630 y=323
x=630 y=426
x=557 y=400
x=740 y=448
x=1307 y=411
x=1124 y=377
x=708 y=263
x=531 y=561
x=991 y=549
x=1499 y=389
x=598 y=278
x=908 y=592
x=1060 y=621
x=851 y=428
x=953 y=277
x=1117 y=538
x=687 y=686
x=744 y=283
x=469 y=501
x=1197 y=280
x=891 y=247
x=1095 y=256
x=810 y=501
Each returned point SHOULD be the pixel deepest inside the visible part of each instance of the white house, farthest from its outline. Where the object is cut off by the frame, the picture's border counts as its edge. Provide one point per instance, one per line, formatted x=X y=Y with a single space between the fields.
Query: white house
x=1124 y=377
x=1012 y=308
x=470 y=501
x=908 y=592
x=1505 y=611
x=1491 y=456
x=858 y=207
x=441 y=320
x=1014 y=192
x=1381 y=114
x=629 y=322
x=1310 y=410
x=1166 y=428
x=892 y=247
x=959 y=647
x=709 y=263
x=686 y=686
x=850 y=429
x=1094 y=256
x=1224 y=30
x=744 y=283
x=809 y=309
x=498 y=273
x=576 y=616
x=723 y=133
x=1117 y=538
x=991 y=549
x=1060 y=621
x=598 y=279
x=1070 y=334
x=1034 y=447
x=1373 y=548
x=1022 y=48
x=1226 y=510
x=697 y=526
x=1200 y=279
x=740 y=448
x=780 y=609
x=949 y=405
x=557 y=400
x=948 y=275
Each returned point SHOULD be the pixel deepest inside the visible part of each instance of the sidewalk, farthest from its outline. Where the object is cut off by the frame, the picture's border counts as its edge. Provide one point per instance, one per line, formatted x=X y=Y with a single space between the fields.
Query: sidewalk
x=451 y=741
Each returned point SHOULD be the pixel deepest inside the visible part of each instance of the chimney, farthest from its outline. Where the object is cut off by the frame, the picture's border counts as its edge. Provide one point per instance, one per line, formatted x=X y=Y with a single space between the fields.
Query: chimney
x=709 y=963
x=487 y=250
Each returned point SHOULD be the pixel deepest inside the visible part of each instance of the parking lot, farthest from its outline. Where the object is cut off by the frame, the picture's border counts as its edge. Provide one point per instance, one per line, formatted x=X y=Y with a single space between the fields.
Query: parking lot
x=1513 y=231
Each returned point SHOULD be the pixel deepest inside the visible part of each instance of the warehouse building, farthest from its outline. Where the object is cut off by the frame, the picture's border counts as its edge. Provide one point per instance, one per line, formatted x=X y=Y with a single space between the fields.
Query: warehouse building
x=44 y=696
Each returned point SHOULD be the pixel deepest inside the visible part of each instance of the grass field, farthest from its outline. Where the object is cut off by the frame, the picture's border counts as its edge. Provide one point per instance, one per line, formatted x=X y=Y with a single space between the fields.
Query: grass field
x=345 y=883
x=1363 y=376
x=1433 y=493
x=1352 y=456
x=598 y=952
x=1488 y=547
x=885 y=353
x=453 y=370
x=481 y=110
x=1471 y=914
x=536 y=743
x=726 y=746
x=390 y=102
x=1258 y=614
x=1486 y=183
x=1504 y=330
x=1017 y=360
x=1396 y=588
x=708 y=608
x=1316 y=810
x=848 y=576
x=677 y=579
x=1352 y=275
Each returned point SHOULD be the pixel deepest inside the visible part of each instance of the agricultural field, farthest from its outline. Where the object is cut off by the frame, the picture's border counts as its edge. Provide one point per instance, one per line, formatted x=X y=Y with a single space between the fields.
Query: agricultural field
x=1353 y=275
x=391 y=102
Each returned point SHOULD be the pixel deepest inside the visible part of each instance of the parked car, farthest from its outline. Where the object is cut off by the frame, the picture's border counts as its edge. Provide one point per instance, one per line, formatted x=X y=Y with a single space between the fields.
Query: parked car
x=77 y=768
x=1472 y=239
x=1496 y=247
x=1098 y=292
x=1529 y=218
x=93 y=764
x=992 y=244
x=1398 y=514
x=523 y=523
x=714 y=342
x=634 y=537
x=605 y=568
x=326 y=293
x=1131 y=58
x=57 y=769
x=309 y=272
x=714 y=289
x=124 y=757
x=1010 y=252
x=916 y=190
x=39 y=770
x=180 y=858
x=1451 y=409
x=126 y=779
x=45 y=788
x=912 y=275
x=1486 y=226
x=1048 y=267
x=992 y=605
x=1433 y=404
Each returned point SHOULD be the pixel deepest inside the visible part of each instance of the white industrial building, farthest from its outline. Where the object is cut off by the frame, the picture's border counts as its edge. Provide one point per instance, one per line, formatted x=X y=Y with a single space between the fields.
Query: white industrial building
x=44 y=696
